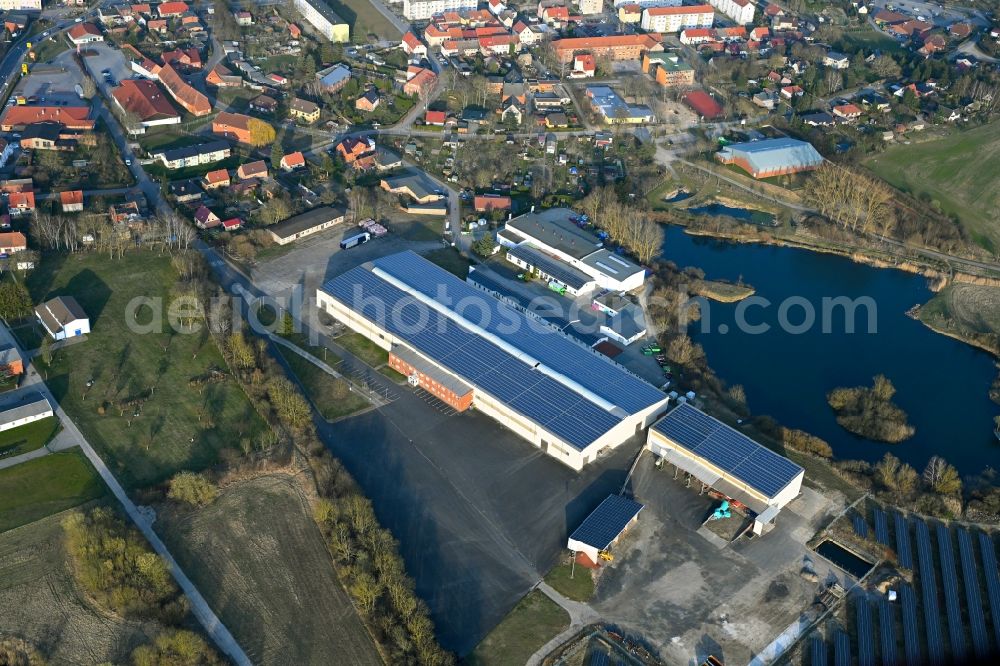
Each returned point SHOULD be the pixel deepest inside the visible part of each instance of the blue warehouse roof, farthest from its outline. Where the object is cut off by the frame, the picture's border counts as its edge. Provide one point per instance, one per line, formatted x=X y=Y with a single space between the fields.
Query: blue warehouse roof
x=565 y=387
x=775 y=154
x=729 y=450
x=606 y=522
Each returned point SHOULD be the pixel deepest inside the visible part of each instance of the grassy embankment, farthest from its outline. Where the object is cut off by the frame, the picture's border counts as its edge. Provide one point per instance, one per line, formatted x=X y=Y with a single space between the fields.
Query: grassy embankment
x=531 y=624
x=959 y=174
x=968 y=312
x=154 y=424
x=333 y=397
x=261 y=561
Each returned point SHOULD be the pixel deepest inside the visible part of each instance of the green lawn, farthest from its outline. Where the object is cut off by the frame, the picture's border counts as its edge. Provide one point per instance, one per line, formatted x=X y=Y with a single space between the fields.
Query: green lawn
x=363 y=348
x=43 y=486
x=449 y=259
x=960 y=173
x=397 y=377
x=579 y=588
x=28 y=437
x=177 y=427
x=29 y=336
x=49 y=48
x=332 y=396
x=167 y=137
x=364 y=18
x=868 y=39
x=531 y=624
x=423 y=230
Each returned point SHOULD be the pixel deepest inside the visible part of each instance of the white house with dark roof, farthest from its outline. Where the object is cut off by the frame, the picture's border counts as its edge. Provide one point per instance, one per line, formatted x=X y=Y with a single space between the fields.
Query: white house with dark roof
x=62 y=318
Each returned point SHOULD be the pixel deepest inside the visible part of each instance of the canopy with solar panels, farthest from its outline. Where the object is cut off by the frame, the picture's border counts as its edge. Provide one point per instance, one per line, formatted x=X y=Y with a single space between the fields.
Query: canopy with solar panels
x=726 y=460
x=559 y=394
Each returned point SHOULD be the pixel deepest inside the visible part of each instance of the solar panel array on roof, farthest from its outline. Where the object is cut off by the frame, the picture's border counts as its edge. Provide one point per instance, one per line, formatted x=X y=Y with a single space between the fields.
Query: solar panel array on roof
x=956 y=635
x=558 y=409
x=970 y=576
x=571 y=277
x=727 y=449
x=588 y=368
x=606 y=522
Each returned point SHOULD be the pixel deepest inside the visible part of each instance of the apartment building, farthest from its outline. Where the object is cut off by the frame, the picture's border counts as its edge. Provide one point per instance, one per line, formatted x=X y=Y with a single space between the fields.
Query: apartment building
x=419 y=10
x=675 y=19
x=325 y=20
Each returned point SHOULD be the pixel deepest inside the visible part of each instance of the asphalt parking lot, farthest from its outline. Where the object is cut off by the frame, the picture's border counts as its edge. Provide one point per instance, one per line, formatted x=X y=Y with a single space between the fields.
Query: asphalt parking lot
x=480 y=514
x=315 y=259
x=104 y=57
x=690 y=594
x=52 y=82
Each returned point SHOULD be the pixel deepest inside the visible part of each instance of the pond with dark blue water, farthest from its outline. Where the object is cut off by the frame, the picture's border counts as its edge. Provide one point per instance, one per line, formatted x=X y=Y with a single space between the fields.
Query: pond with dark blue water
x=942 y=384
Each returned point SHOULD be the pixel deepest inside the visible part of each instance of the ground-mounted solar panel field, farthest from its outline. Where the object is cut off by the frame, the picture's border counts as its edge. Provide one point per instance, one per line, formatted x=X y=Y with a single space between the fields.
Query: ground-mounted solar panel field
x=949 y=614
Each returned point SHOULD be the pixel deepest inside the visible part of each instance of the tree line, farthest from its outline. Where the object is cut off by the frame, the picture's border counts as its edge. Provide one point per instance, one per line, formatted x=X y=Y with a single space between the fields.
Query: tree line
x=367 y=556
x=114 y=564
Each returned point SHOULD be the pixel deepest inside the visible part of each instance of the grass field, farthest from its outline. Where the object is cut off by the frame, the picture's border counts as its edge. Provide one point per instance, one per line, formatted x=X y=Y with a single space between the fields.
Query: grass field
x=363 y=348
x=967 y=311
x=449 y=259
x=29 y=335
x=28 y=437
x=364 y=18
x=579 y=587
x=259 y=559
x=46 y=485
x=177 y=427
x=40 y=601
x=531 y=624
x=960 y=172
x=332 y=396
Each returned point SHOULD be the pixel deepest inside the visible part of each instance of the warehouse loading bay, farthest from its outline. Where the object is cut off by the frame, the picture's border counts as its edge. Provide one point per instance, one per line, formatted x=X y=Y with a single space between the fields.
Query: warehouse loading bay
x=481 y=515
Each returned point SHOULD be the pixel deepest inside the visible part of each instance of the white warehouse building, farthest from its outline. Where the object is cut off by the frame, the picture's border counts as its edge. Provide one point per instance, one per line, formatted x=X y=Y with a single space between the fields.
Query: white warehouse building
x=726 y=461
x=566 y=253
x=472 y=351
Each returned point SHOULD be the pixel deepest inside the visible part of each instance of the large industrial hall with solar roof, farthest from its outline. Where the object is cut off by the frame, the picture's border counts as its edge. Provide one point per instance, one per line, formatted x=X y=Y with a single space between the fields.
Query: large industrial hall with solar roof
x=472 y=351
x=727 y=461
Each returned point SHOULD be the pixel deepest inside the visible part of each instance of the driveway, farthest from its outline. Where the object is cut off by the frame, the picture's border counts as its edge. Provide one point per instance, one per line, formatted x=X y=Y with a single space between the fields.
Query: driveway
x=689 y=593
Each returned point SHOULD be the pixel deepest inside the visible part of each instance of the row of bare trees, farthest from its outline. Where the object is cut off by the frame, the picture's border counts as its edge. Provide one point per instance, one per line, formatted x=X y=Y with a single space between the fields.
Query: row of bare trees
x=857 y=202
x=631 y=227
x=71 y=232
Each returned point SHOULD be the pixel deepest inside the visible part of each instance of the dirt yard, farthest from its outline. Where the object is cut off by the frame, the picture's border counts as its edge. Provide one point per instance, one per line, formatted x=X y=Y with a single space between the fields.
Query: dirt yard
x=39 y=601
x=259 y=559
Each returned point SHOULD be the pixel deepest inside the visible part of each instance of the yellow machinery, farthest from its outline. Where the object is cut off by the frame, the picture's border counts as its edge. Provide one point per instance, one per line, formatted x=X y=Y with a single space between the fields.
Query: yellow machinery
x=605 y=555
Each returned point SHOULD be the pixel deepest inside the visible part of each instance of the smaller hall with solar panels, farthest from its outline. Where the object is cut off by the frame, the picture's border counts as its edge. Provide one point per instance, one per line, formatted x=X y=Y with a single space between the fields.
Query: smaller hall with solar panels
x=471 y=350
x=727 y=461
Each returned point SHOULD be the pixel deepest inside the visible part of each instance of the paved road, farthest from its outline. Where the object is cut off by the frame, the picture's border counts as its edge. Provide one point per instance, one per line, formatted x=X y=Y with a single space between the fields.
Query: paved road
x=580 y=615
x=16 y=53
x=72 y=436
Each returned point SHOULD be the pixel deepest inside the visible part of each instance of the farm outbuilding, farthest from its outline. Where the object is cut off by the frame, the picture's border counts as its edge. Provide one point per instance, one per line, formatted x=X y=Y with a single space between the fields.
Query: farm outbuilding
x=604 y=527
x=726 y=461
